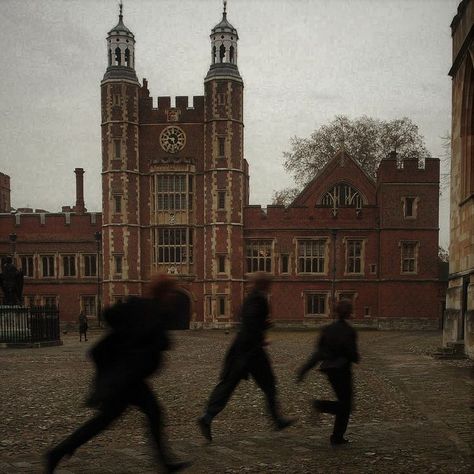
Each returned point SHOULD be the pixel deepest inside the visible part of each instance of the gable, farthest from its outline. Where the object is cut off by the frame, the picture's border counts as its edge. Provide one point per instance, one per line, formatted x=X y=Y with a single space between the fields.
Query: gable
x=341 y=169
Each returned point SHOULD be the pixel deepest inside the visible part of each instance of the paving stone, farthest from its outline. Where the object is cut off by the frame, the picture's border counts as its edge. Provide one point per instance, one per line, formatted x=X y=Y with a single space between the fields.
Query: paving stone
x=412 y=412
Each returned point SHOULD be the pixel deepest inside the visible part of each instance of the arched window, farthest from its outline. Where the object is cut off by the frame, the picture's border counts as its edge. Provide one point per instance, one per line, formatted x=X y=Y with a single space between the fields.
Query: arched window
x=342 y=195
x=231 y=54
x=127 y=57
x=118 y=56
x=222 y=53
x=110 y=57
x=214 y=53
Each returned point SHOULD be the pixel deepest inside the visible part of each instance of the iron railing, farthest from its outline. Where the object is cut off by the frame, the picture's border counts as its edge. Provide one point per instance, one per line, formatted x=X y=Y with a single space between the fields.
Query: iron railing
x=21 y=324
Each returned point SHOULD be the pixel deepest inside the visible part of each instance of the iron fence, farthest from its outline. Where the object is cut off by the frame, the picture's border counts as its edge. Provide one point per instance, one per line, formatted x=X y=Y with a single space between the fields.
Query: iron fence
x=21 y=324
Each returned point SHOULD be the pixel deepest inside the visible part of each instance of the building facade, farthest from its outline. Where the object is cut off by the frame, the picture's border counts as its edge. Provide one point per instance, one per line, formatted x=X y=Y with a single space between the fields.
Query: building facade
x=59 y=254
x=459 y=316
x=175 y=199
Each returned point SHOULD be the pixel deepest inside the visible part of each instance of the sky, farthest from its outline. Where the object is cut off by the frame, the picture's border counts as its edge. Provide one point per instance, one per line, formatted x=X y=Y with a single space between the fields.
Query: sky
x=302 y=61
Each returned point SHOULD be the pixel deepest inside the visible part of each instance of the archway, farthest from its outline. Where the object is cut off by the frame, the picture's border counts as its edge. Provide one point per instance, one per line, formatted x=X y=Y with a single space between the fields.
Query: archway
x=181 y=312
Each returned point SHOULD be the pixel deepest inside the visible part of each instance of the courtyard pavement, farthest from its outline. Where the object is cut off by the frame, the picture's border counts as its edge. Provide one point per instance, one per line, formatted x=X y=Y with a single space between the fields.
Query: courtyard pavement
x=413 y=413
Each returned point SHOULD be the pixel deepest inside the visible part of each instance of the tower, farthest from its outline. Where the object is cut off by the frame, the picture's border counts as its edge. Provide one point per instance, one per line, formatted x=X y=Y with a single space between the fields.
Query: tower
x=120 y=167
x=225 y=178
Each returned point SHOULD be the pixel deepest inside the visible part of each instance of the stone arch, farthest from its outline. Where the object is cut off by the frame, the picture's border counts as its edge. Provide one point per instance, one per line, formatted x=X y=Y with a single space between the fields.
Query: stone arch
x=182 y=311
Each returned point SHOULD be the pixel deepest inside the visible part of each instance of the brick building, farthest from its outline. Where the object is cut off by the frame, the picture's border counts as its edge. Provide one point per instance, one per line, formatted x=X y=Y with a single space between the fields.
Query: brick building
x=4 y=193
x=58 y=253
x=459 y=317
x=176 y=199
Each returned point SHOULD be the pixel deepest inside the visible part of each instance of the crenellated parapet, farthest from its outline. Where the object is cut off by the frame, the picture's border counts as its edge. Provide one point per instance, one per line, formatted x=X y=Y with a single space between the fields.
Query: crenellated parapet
x=303 y=217
x=81 y=225
x=160 y=110
x=408 y=171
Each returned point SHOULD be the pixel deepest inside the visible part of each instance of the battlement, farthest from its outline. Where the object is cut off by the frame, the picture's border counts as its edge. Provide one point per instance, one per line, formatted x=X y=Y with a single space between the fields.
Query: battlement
x=50 y=225
x=167 y=110
x=408 y=171
x=301 y=217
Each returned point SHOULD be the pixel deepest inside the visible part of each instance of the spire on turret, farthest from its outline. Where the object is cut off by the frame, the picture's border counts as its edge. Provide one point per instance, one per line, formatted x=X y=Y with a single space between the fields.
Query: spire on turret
x=224 y=39
x=121 y=51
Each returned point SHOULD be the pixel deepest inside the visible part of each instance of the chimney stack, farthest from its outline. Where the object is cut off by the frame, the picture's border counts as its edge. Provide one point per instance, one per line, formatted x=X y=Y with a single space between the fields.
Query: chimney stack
x=79 y=207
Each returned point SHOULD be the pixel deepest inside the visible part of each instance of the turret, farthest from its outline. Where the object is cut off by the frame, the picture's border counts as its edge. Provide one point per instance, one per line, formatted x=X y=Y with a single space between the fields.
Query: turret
x=224 y=39
x=120 y=52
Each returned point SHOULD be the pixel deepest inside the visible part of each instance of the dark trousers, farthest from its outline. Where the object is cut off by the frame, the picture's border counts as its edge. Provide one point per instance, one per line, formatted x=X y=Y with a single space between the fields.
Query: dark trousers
x=81 y=333
x=139 y=395
x=341 y=382
x=259 y=368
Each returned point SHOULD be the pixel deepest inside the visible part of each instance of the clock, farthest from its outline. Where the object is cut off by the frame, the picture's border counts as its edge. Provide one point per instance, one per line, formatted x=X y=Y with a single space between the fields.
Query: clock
x=172 y=139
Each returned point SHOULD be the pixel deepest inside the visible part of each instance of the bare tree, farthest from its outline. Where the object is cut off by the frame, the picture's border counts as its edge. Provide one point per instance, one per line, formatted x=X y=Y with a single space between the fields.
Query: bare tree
x=285 y=196
x=366 y=139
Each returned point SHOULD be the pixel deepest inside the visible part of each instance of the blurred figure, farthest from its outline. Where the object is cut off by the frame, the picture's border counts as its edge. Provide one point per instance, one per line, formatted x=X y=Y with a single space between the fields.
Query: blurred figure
x=336 y=350
x=247 y=356
x=124 y=358
x=83 y=326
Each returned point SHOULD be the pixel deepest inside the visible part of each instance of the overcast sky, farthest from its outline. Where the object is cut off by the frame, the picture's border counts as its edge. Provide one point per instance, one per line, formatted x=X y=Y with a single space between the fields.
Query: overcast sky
x=302 y=61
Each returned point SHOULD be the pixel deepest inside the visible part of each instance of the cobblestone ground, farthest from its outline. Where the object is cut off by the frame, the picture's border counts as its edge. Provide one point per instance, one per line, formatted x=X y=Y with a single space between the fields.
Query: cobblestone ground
x=413 y=413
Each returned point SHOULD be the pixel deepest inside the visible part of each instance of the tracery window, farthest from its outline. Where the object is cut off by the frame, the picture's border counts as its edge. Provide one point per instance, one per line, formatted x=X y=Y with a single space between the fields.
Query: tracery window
x=342 y=195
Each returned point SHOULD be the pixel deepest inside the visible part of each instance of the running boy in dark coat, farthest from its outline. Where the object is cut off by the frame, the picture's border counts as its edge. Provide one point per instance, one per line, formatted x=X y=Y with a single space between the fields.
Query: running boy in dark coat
x=124 y=358
x=336 y=350
x=247 y=356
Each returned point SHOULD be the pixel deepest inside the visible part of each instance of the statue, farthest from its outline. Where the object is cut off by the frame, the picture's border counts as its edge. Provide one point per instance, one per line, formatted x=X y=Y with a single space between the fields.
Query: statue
x=11 y=282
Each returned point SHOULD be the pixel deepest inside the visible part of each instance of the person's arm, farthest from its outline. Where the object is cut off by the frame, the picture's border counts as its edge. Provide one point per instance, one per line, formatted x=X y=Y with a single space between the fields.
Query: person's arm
x=315 y=357
x=353 y=353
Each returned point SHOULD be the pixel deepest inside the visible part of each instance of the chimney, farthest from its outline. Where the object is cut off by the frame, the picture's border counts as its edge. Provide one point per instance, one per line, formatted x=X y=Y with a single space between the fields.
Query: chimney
x=79 y=207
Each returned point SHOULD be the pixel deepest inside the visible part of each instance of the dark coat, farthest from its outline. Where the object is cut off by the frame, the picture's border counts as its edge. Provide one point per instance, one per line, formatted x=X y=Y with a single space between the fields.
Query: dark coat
x=336 y=348
x=131 y=351
x=251 y=336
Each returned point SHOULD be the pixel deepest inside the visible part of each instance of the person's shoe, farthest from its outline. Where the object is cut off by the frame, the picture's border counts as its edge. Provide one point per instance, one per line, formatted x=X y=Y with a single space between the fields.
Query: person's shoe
x=282 y=423
x=177 y=466
x=205 y=427
x=338 y=441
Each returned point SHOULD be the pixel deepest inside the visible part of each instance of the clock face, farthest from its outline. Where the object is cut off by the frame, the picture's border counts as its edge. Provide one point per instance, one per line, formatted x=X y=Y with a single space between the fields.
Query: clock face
x=172 y=139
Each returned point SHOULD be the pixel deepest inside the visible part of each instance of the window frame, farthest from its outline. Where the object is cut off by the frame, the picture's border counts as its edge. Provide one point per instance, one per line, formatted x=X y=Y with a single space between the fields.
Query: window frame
x=166 y=245
x=349 y=241
x=70 y=258
x=309 y=297
x=405 y=244
x=50 y=266
x=259 y=245
x=29 y=272
x=85 y=258
x=84 y=306
x=304 y=258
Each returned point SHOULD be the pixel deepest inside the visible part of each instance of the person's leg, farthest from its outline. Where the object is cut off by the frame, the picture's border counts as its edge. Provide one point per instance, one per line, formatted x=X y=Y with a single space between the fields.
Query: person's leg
x=261 y=371
x=341 y=381
x=230 y=378
x=83 y=434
